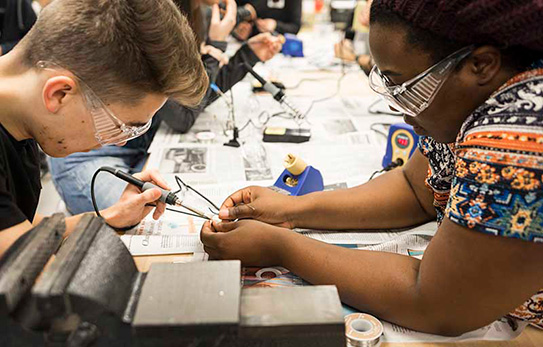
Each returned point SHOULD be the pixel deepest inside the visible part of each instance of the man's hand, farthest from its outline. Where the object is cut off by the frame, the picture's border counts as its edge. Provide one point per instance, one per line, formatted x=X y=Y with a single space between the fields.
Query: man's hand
x=344 y=50
x=243 y=30
x=220 y=29
x=252 y=242
x=131 y=208
x=266 y=25
x=265 y=46
x=258 y=203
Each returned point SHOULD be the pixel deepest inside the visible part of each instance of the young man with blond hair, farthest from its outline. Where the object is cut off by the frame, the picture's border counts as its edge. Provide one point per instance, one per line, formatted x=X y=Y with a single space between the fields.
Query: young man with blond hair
x=88 y=74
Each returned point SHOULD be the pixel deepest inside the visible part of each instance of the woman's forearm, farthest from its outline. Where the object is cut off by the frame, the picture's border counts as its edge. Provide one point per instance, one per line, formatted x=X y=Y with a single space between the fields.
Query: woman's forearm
x=448 y=292
x=383 y=284
x=368 y=206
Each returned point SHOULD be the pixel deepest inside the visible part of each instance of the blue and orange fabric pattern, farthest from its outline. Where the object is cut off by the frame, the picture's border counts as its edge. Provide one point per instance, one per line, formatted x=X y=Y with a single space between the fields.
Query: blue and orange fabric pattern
x=491 y=179
x=497 y=187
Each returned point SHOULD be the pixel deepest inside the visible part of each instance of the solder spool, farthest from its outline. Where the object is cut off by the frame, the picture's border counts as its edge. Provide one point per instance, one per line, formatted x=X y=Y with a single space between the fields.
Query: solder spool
x=363 y=330
x=205 y=136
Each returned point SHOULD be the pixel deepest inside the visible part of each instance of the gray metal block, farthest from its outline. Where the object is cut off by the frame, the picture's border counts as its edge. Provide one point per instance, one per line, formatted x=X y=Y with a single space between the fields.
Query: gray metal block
x=193 y=304
x=49 y=291
x=104 y=279
x=291 y=316
x=92 y=279
x=25 y=260
x=19 y=268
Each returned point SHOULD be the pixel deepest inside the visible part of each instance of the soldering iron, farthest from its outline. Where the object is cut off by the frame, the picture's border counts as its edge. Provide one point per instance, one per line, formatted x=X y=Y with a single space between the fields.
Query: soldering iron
x=166 y=196
x=276 y=92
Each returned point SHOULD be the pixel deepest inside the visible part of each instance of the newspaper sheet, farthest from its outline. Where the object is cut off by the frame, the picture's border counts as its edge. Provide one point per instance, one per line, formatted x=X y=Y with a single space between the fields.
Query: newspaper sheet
x=208 y=129
x=203 y=165
x=162 y=244
x=500 y=330
x=367 y=237
x=165 y=236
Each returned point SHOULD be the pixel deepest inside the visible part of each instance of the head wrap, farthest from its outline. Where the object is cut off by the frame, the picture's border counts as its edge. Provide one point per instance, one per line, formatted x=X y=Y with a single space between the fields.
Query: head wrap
x=504 y=23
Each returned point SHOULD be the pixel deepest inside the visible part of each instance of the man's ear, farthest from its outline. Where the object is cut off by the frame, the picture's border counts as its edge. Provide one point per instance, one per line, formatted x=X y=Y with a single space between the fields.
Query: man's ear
x=485 y=63
x=57 y=92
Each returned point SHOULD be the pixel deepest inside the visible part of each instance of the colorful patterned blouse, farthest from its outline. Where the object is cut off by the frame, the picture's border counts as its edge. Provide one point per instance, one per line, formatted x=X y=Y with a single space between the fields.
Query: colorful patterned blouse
x=491 y=179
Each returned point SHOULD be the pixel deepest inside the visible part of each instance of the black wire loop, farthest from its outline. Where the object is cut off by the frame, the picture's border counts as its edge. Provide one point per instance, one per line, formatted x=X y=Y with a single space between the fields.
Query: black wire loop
x=181 y=184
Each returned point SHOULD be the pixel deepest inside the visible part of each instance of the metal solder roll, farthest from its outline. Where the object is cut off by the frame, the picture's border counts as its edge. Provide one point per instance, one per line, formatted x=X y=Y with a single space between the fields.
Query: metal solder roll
x=363 y=330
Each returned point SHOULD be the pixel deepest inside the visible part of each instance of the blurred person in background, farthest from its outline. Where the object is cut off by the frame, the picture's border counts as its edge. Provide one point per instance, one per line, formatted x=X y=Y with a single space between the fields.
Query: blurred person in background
x=16 y=19
x=272 y=16
x=345 y=48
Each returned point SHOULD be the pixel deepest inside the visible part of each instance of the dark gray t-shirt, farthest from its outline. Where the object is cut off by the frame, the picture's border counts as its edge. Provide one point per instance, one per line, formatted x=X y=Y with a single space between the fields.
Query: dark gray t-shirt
x=20 y=183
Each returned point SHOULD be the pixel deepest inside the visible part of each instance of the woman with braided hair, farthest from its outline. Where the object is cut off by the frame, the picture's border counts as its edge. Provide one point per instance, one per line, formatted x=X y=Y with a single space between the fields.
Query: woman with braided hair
x=468 y=76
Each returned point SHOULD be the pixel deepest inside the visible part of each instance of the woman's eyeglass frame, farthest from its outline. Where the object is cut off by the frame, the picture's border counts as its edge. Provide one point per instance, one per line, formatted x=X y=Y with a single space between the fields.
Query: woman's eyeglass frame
x=414 y=96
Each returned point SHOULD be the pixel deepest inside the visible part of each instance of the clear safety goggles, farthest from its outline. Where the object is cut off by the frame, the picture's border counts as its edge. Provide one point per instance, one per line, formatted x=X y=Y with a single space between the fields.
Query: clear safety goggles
x=109 y=130
x=414 y=96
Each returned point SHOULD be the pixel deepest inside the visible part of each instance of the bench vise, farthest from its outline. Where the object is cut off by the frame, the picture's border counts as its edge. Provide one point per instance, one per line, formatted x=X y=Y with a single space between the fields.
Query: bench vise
x=87 y=292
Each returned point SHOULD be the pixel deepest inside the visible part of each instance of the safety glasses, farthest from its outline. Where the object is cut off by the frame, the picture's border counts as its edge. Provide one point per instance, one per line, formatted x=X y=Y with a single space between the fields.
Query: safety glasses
x=414 y=96
x=109 y=130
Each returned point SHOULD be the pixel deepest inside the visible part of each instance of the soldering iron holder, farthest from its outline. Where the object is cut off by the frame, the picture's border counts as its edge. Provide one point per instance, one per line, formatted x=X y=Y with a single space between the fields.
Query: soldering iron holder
x=298 y=178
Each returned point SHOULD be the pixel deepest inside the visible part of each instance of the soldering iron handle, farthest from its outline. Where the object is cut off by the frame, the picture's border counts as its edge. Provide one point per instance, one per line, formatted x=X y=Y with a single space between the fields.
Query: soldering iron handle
x=271 y=88
x=255 y=75
x=166 y=196
x=130 y=179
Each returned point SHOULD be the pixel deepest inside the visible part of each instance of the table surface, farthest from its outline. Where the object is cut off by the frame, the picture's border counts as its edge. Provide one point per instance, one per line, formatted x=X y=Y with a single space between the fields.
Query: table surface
x=354 y=84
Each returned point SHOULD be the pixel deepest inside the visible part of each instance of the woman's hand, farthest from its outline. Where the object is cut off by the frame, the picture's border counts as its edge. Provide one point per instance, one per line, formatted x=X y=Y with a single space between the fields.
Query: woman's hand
x=131 y=207
x=266 y=25
x=254 y=243
x=220 y=29
x=265 y=46
x=258 y=203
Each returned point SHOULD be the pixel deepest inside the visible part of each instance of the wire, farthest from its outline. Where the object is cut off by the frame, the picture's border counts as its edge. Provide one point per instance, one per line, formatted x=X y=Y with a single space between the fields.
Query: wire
x=182 y=212
x=375 y=173
x=93 y=198
x=338 y=88
x=303 y=80
x=95 y=206
x=397 y=163
x=265 y=122
x=373 y=127
x=182 y=184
